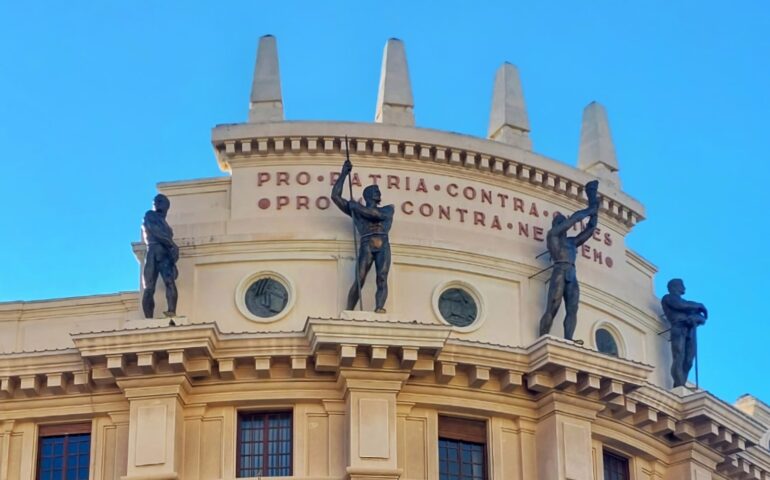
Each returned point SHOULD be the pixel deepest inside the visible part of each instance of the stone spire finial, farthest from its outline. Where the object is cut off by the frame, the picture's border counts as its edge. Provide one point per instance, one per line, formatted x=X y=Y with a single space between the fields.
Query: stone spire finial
x=394 y=100
x=266 y=103
x=597 y=152
x=508 y=121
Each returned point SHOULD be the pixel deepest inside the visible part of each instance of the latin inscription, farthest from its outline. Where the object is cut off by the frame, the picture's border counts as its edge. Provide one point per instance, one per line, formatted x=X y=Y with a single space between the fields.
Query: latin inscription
x=515 y=214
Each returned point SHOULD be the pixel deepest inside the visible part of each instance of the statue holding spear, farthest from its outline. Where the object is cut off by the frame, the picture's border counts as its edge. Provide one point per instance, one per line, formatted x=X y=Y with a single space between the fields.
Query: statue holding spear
x=372 y=224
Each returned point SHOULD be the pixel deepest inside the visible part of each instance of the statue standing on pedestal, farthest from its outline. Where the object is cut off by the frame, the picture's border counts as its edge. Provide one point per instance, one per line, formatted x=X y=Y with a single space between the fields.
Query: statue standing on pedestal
x=563 y=251
x=684 y=317
x=372 y=223
x=161 y=258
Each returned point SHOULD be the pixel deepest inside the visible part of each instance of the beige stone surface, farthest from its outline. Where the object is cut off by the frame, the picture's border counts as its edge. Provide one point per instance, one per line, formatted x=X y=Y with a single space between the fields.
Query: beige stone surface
x=366 y=390
x=357 y=414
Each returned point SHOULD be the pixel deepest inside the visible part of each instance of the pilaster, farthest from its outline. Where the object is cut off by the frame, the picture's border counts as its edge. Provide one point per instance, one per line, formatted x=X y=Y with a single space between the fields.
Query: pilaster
x=692 y=461
x=563 y=437
x=156 y=426
x=6 y=428
x=370 y=405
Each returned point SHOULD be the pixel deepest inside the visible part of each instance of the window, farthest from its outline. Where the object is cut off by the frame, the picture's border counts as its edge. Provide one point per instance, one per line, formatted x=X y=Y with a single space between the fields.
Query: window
x=64 y=452
x=615 y=467
x=264 y=444
x=462 y=449
x=606 y=343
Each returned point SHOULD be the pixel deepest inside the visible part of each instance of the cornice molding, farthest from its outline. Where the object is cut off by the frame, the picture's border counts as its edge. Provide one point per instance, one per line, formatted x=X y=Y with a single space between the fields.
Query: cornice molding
x=121 y=302
x=249 y=144
x=200 y=364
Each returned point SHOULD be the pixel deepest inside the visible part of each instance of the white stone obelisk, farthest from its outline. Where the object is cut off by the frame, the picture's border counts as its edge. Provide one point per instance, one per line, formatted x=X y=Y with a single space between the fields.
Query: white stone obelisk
x=395 y=104
x=508 y=121
x=597 y=152
x=266 y=104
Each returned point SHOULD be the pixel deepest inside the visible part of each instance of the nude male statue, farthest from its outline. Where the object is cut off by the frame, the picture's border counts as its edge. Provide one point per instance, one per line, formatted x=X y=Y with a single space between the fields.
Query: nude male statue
x=162 y=255
x=684 y=317
x=563 y=250
x=372 y=223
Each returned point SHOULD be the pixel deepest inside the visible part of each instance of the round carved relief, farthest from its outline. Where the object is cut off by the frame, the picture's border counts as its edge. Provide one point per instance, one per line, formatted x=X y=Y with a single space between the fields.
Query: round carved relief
x=457 y=307
x=266 y=297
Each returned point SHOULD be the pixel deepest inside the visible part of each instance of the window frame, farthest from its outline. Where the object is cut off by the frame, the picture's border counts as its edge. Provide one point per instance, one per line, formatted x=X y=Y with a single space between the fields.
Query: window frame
x=618 y=455
x=64 y=430
x=468 y=430
x=620 y=341
x=277 y=411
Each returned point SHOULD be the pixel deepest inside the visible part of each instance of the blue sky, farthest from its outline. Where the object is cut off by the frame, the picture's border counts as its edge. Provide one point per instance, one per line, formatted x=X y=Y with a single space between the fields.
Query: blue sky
x=101 y=100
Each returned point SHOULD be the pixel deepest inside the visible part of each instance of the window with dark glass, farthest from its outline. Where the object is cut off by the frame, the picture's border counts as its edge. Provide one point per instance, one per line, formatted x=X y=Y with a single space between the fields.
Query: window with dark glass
x=264 y=444
x=64 y=452
x=462 y=449
x=615 y=467
x=606 y=343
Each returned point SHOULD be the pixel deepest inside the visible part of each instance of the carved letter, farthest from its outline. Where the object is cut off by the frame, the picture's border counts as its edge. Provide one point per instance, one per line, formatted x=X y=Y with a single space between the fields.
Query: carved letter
x=262 y=177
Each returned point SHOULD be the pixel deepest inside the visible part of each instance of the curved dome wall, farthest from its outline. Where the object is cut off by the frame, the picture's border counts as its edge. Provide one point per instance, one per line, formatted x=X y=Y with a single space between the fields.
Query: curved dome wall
x=468 y=210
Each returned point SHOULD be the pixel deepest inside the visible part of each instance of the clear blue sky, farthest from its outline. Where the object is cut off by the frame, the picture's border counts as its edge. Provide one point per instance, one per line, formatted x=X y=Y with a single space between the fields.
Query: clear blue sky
x=101 y=100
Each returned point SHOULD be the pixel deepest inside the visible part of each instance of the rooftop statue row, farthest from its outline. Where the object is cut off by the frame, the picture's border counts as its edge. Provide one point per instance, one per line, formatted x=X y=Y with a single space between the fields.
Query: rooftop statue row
x=371 y=228
x=508 y=119
x=372 y=223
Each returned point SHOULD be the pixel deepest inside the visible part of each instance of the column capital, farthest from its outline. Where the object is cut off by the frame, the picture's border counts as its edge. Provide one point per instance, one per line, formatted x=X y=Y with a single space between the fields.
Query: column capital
x=137 y=388
x=560 y=403
x=351 y=379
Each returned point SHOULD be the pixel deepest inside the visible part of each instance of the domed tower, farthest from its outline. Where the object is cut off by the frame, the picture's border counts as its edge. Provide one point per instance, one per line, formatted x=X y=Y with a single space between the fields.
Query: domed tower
x=268 y=372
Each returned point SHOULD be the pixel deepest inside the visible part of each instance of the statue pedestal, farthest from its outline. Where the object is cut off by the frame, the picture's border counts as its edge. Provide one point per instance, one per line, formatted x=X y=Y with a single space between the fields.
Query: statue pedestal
x=139 y=323
x=682 y=391
x=371 y=316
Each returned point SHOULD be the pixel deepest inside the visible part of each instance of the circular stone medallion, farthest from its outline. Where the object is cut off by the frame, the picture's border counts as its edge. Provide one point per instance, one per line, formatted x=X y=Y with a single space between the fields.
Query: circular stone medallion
x=457 y=307
x=266 y=297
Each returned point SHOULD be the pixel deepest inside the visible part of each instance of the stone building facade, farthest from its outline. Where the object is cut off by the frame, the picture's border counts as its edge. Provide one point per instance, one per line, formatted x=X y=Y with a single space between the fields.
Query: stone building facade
x=266 y=375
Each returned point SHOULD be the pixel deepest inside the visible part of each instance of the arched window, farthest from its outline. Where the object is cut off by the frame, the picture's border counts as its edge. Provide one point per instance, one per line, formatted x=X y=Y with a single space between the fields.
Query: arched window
x=606 y=343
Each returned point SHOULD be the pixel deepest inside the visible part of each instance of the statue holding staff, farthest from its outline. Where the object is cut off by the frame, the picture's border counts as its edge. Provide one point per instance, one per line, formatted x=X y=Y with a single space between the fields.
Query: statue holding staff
x=161 y=258
x=372 y=223
x=563 y=250
x=685 y=317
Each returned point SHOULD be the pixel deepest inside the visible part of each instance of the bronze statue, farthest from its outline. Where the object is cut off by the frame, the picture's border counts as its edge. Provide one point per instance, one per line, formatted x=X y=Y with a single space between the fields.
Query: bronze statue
x=372 y=223
x=684 y=317
x=161 y=258
x=563 y=251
